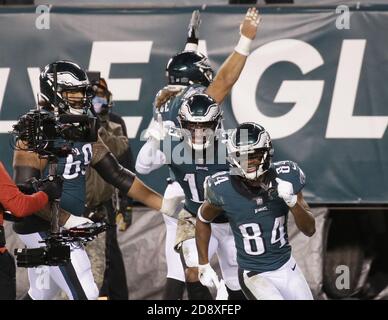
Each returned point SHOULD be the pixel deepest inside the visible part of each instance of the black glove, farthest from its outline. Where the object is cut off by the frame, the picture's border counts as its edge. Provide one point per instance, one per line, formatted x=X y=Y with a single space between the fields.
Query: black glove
x=52 y=186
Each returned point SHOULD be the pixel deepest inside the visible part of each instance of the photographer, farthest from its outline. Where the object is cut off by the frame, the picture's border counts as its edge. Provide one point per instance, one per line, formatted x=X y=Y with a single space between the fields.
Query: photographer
x=20 y=205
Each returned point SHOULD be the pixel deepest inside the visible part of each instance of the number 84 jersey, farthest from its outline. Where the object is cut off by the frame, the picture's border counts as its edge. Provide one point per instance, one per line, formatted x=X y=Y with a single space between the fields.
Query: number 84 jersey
x=258 y=217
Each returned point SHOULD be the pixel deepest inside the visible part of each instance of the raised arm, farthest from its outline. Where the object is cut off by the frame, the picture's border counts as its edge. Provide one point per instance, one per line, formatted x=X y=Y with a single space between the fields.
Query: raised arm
x=234 y=64
x=193 y=32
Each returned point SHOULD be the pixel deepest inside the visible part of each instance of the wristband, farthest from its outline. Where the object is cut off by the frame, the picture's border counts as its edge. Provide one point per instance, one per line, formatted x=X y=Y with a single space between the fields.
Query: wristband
x=243 y=46
x=199 y=215
x=190 y=46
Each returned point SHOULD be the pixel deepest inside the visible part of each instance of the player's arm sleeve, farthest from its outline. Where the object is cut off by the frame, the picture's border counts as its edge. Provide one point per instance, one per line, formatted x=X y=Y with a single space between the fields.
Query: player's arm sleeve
x=107 y=166
x=212 y=205
x=291 y=172
x=211 y=194
x=150 y=157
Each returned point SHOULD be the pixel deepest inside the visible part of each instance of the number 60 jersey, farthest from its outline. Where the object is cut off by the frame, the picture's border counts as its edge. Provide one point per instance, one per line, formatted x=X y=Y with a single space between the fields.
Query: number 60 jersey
x=258 y=217
x=72 y=169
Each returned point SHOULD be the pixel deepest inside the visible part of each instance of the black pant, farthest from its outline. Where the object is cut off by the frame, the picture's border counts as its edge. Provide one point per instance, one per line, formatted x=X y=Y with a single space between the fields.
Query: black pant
x=115 y=281
x=7 y=277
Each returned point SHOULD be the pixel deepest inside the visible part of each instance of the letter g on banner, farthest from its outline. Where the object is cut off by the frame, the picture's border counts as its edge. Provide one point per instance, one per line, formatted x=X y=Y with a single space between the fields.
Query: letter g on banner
x=306 y=94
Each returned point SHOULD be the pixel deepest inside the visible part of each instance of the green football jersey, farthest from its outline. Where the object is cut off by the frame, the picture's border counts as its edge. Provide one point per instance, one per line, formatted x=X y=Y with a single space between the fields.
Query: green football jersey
x=190 y=169
x=72 y=169
x=258 y=217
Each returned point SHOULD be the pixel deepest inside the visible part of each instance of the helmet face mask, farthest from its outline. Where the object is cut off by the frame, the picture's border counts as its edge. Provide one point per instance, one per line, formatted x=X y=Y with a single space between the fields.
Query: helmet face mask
x=199 y=134
x=199 y=117
x=72 y=93
x=250 y=150
x=76 y=100
x=189 y=67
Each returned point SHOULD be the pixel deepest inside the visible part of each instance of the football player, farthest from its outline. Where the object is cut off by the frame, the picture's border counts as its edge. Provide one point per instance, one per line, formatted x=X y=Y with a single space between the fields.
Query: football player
x=181 y=66
x=195 y=97
x=72 y=96
x=256 y=196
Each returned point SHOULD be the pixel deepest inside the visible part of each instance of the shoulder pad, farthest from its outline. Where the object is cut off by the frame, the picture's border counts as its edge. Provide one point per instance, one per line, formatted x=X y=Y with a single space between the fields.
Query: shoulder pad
x=213 y=186
x=290 y=171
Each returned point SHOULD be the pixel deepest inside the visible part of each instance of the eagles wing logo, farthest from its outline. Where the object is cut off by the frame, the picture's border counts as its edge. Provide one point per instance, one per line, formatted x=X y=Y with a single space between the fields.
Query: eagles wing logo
x=259 y=201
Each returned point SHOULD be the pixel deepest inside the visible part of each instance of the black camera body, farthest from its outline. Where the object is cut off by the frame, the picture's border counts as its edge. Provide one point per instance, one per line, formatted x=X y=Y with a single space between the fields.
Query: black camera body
x=57 y=249
x=48 y=134
x=54 y=254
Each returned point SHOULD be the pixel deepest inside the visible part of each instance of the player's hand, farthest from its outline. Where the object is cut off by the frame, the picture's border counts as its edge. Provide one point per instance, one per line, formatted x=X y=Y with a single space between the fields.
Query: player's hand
x=248 y=28
x=170 y=205
x=156 y=129
x=52 y=186
x=286 y=191
x=194 y=24
x=166 y=94
x=124 y=218
x=222 y=292
x=207 y=276
x=75 y=221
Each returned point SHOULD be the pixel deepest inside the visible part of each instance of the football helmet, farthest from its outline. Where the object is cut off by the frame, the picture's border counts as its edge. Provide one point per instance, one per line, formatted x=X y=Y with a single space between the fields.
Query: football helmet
x=187 y=68
x=72 y=92
x=250 y=150
x=199 y=118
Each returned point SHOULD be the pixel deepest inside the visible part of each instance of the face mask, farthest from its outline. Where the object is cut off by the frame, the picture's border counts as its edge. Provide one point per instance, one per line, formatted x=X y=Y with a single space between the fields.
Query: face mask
x=99 y=103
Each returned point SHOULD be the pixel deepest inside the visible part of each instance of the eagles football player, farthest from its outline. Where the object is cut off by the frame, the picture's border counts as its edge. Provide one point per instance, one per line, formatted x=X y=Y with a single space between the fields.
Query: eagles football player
x=72 y=97
x=184 y=63
x=189 y=74
x=256 y=196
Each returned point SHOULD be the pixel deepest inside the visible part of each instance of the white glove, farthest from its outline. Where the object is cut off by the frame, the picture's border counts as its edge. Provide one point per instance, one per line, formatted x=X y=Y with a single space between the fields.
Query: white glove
x=149 y=157
x=159 y=129
x=222 y=292
x=286 y=191
x=169 y=205
x=75 y=221
x=207 y=276
x=156 y=129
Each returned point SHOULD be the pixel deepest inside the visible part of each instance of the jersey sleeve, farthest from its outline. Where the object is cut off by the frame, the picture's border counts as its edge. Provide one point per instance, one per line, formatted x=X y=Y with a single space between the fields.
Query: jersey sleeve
x=291 y=172
x=212 y=191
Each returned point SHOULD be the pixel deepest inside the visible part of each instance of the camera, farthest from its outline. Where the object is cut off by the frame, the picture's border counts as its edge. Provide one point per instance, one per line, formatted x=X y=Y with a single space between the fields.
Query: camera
x=56 y=254
x=48 y=134
x=57 y=249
